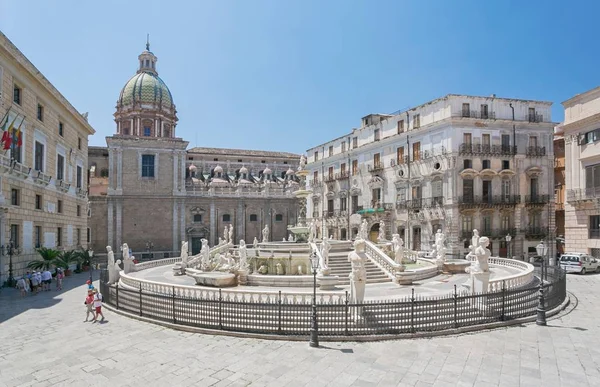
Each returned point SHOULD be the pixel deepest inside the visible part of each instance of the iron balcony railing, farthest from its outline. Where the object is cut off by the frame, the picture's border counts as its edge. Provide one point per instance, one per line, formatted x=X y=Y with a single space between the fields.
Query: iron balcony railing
x=328 y=213
x=484 y=149
x=415 y=203
x=329 y=178
x=376 y=167
x=537 y=199
x=535 y=151
x=484 y=115
x=576 y=195
x=342 y=175
x=402 y=205
x=488 y=200
x=535 y=232
x=534 y=117
x=316 y=183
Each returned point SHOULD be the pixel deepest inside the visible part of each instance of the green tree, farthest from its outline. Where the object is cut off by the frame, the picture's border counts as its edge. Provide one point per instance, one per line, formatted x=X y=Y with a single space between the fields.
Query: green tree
x=48 y=258
x=66 y=258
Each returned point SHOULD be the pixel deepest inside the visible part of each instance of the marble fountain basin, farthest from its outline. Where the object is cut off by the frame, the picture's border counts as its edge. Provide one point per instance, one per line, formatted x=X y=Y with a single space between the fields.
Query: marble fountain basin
x=455 y=266
x=215 y=279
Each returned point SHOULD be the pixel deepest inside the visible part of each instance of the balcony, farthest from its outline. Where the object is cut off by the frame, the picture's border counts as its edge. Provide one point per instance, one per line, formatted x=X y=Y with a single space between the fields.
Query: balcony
x=377 y=207
x=81 y=193
x=583 y=195
x=328 y=214
x=357 y=209
x=376 y=167
x=334 y=213
x=534 y=117
x=482 y=115
x=62 y=186
x=501 y=233
x=342 y=175
x=488 y=200
x=399 y=161
x=415 y=204
x=537 y=199
x=535 y=233
x=535 y=151
x=316 y=183
x=402 y=205
x=329 y=178
x=492 y=150
x=41 y=178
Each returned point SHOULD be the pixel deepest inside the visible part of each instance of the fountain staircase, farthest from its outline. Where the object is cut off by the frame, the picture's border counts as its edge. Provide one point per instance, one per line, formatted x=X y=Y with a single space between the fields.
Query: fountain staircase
x=340 y=266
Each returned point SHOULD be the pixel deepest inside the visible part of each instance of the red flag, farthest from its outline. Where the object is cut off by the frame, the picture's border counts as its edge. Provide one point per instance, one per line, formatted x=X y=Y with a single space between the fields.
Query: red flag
x=6 y=140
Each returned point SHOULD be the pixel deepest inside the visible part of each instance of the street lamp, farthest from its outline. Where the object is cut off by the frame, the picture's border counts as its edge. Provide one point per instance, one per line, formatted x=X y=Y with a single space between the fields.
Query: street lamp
x=508 y=238
x=314 y=330
x=91 y=254
x=542 y=250
x=10 y=249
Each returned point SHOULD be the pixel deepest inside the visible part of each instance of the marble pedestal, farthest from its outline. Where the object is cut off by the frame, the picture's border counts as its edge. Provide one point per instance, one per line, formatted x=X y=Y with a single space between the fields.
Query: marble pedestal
x=327 y=282
x=242 y=276
x=480 y=282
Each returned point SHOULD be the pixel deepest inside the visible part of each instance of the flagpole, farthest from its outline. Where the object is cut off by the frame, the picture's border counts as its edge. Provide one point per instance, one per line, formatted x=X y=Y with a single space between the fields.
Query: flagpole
x=5 y=115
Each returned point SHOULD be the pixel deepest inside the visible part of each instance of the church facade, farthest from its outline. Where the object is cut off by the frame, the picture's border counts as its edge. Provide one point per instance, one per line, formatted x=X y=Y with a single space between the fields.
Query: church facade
x=147 y=189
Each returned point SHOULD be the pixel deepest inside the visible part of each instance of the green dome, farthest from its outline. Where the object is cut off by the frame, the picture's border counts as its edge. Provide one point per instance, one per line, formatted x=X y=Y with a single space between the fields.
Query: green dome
x=146 y=87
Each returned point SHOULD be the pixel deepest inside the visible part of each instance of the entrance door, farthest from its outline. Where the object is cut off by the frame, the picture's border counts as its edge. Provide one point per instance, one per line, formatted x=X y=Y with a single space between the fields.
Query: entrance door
x=416 y=239
x=374 y=233
x=196 y=245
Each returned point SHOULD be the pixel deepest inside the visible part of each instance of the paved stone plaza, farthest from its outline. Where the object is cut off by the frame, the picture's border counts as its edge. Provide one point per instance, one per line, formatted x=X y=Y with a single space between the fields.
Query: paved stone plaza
x=55 y=348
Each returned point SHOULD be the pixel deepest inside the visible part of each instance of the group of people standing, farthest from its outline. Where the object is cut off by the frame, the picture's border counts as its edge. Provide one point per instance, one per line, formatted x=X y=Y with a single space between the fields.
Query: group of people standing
x=36 y=282
x=93 y=303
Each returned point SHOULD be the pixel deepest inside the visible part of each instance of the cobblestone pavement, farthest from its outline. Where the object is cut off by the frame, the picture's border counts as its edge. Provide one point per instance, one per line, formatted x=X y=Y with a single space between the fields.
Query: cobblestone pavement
x=46 y=343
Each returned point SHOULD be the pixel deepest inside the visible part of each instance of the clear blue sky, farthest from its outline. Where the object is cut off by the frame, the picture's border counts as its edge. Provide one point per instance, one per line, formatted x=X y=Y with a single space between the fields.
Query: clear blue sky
x=290 y=74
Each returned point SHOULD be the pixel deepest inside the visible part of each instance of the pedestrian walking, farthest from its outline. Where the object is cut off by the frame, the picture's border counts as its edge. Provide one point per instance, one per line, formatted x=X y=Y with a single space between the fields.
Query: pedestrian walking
x=23 y=287
x=59 y=279
x=98 y=305
x=89 y=304
x=47 y=279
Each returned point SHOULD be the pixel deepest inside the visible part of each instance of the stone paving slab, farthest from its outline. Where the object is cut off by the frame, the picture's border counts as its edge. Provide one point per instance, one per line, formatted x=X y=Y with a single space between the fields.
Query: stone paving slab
x=46 y=343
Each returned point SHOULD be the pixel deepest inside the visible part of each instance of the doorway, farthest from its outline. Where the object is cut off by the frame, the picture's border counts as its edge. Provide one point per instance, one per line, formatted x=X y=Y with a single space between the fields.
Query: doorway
x=374 y=233
x=416 y=241
x=196 y=245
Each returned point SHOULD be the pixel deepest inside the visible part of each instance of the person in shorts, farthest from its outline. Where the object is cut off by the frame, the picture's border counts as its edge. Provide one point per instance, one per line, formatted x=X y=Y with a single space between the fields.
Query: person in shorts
x=47 y=279
x=34 y=284
x=22 y=286
x=59 y=278
x=89 y=304
x=98 y=305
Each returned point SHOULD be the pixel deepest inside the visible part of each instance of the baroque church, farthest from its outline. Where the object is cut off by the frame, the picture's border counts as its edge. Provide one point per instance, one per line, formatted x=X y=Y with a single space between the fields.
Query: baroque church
x=147 y=189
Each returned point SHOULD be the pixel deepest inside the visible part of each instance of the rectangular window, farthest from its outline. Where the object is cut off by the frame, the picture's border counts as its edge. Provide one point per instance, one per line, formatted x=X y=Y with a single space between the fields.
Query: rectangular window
x=485 y=140
x=40 y=112
x=15 y=151
x=484 y=111
x=533 y=187
x=60 y=167
x=354 y=167
x=417 y=121
x=354 y=142
x=79 y=143
x=147 y=165
x=343 y=168
x=89 y=235
x=38 y=202
x=78 y=210
x=468 y=189
x=38 y=237
x=506 y=222
x=15 y=197
x=505 y=141
x=400 y=126
x=330 y=206
x=467 y=138
x=39 y=156
x=376 y=198
x=316 y=155
x=485 y=164
x=147 y=131
x=400 y=155
x=595 y=227
x=330 y=150
x=16 y=94
x=486 y=222
x=376 y=135
x=14 y=235
x=505 y=164
x=436 y=190
x=416 y=151
x=416 y=192
x=343 y=146
x=59 y=207
x=592 y=177
x=59 y=236
x=198 y=218
x=505 y=188
x=377 y=160
x=354 y=204
x=79 y=176
x=531 y=115
x=343 y=204
x=330 y=173
x=226 y=218
x=401 y=195
x=316 y=176
x=486 y=191
x=61 y=129
x=467 y=164
x=466 y=110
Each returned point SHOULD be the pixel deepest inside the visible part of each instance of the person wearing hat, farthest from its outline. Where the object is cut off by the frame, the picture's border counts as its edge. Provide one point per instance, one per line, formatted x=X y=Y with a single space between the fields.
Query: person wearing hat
x=98 y=305
x=89 y=303
x=90 y=285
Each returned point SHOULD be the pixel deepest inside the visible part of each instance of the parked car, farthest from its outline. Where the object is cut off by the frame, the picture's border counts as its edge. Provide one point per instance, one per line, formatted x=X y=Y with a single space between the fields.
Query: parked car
x=579 y=263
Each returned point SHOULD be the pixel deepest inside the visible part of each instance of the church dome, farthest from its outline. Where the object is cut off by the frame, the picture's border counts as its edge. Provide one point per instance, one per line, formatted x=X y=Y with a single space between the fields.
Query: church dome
x=146 y=87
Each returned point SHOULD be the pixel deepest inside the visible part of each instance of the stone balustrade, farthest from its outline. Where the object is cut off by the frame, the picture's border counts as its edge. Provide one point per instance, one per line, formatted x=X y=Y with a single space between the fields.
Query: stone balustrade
x=522 y=278
x=381 y=259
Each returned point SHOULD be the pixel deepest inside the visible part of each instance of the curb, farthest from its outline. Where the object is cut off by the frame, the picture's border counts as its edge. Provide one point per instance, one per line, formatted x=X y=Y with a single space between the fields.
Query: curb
x=447 y=332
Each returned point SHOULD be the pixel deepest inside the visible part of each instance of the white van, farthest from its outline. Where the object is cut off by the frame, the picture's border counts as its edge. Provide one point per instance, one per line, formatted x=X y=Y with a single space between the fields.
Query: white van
x=579 y=263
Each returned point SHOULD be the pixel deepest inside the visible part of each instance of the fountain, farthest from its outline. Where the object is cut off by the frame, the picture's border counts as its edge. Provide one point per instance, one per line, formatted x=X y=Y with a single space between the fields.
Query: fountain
x=300 y=229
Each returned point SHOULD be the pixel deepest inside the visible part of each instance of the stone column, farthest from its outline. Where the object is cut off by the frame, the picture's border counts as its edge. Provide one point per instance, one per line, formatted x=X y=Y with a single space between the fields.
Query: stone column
x=111 y=169
x=175 y=171
x=119 y=223
x=109 y=223
x=213 y=223
x=131 y=128
x=241 y=222
x=119 y=169
x=181 y=172
x=182 y=221
x=175 y=223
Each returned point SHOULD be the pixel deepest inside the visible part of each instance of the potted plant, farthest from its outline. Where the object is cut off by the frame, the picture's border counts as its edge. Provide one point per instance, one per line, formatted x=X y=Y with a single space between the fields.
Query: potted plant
x=65 y=259
x=48 y=258
x=85 y=259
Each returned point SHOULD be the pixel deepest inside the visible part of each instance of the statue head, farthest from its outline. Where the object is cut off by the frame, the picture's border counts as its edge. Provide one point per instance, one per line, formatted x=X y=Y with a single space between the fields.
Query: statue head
x=242 y=243
x=360 y=245
x=484 y=241
x=118 y=262
x=475 y=232
x=108 y=249
x=439 y=231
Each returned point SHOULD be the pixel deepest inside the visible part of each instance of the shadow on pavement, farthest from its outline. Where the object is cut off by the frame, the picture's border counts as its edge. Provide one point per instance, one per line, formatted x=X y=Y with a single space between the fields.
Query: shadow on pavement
x=12 y=304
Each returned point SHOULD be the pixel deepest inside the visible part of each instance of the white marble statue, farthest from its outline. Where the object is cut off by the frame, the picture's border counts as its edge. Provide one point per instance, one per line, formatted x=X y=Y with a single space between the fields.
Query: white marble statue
x=312 y=231
x=483 y=254
x=440 y=248
x=474 y=242
x=110 y=265
x=363 y=234
x=117 y=270
x=230 y=234
x=205 y=254
x=255 y=243
x=265 y=234
x=225 y=234
x=290 y=238
x=283 y=239
x=398 y=246
x=128 y=265
x=184 y=254
x=243 y=252
x=302 y=163
x=325 y=247
x=358 y=275
x=300 y=270
x=279 y=268
x=381 y=236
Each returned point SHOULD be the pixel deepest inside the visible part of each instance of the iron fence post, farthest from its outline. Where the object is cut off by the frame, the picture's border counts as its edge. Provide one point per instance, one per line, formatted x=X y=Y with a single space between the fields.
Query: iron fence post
x=279 y=313
x=220 y=310
x=346 y=302
x=140 y=298
x=173 y=294
x=412 y=311
x=503 y=299
x=541 y=311
x=455 y=308
x=117 y=296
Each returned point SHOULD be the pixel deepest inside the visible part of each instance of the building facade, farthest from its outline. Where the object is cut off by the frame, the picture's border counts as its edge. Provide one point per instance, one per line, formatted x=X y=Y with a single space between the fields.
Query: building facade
x=43 y=196
x=148 y=190
x=581 y=131
x=560 y=188
x=456 y=163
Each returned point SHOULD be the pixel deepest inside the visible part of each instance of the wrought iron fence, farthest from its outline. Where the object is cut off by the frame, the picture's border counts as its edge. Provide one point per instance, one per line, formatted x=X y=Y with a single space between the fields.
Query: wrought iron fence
x=282 y=315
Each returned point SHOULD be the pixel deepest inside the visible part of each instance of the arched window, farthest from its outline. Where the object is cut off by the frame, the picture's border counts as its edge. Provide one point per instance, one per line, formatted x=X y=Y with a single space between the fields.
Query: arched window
x=167 y=131
x=253 y=218
x=147 y=124
x=197 y=218
x=278 y=217
x=226 y=218
x=126 y=131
